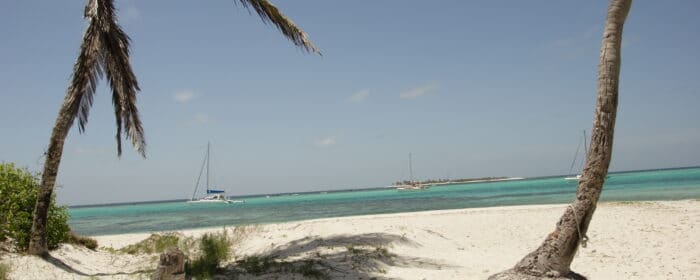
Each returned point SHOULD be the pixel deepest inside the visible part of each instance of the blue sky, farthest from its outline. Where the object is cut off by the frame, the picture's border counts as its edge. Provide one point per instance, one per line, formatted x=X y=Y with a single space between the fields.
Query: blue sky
x=472 y=89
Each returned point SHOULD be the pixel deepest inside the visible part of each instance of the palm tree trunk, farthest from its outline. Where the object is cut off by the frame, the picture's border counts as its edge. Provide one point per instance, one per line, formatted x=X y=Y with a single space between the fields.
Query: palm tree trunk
x=553 y=258
x=37 y=241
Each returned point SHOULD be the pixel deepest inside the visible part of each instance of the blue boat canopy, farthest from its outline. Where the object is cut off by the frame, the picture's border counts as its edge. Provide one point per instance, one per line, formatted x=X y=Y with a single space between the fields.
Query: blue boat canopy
x=214 y=191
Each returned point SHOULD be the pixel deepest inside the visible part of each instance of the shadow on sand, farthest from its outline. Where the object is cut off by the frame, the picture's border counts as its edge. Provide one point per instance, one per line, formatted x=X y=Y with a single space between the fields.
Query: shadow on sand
x=362 y=256
x=67 y=268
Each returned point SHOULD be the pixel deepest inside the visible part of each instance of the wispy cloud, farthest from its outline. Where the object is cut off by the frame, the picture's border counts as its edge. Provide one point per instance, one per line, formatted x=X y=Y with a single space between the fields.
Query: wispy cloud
x=419 y=91
x=359 y=96
x=577 y=43
x=323 y=142
x=129 y=13
x=199 y=119
x=630 y=40
x=184 y=96
x=93 y=151
x=576 y=39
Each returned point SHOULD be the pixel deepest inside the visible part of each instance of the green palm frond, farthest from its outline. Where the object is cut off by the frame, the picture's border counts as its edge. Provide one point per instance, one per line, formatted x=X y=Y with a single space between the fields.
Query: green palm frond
x=105 y=48
x=270 y=14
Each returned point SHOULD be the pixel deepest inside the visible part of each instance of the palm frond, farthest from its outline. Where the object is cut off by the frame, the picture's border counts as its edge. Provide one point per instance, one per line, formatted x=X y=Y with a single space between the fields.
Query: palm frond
x=87 y=71
x=105 y=50
x=115 y=54
x=270 y=14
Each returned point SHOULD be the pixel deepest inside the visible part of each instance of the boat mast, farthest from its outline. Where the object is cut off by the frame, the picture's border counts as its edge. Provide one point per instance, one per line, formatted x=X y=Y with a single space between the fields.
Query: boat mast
x=585 y=146
x=208 y=167
x=204 y=162
x=585 y=152
x=410 y=166
x=573 y=162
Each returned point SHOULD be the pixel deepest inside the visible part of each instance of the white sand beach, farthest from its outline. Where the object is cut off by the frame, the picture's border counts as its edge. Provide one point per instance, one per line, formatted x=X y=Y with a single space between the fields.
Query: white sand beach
x=635 y=240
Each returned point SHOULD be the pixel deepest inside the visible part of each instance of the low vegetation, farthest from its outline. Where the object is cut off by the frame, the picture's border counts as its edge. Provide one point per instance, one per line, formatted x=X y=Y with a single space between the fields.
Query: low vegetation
x=206 y=253
x=256 y=265
x=4 y=271
x=259 y=265
x=214 y=249
x=84 y=241
x=154 y=244
x=18 y=192
x=449 y=181
x=361 y=256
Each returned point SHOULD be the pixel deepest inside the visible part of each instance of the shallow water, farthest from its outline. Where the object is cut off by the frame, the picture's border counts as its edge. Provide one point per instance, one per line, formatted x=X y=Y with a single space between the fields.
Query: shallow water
x=670 y=184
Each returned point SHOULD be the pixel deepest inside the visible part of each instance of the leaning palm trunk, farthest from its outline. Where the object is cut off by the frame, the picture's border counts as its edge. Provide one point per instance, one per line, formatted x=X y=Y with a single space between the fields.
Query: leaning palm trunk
x=37 y=243
x=553 y=258
x=105 y=48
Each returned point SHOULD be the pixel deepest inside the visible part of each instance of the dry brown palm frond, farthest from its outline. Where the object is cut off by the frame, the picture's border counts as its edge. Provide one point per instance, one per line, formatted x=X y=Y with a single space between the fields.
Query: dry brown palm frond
x=270 y=14
x=115 y=51
x=86 y=73
x=105 y=48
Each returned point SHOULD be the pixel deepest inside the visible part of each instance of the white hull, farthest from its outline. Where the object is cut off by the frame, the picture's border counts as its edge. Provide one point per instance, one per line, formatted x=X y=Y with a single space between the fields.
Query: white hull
x=215 y=201
x=209 y=201
x=577 y=178
x=418 y=187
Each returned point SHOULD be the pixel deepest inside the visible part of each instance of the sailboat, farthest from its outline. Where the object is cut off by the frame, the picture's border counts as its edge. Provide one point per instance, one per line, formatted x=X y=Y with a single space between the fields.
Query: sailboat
x=212 y=195
x=585 y=155
x=412 y=185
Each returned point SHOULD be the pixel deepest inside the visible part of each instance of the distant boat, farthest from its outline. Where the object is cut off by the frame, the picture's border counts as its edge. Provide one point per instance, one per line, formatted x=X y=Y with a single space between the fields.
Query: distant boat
x=412 y=185
x=573 y=162
x=212 y=195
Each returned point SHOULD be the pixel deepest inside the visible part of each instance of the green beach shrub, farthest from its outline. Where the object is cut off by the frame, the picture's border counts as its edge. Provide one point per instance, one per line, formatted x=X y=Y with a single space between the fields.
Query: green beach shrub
x=18 y=191
x=215 y=248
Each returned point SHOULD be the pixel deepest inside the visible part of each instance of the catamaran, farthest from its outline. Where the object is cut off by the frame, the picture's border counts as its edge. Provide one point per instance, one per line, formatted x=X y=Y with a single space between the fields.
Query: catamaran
x=412 y=185
x=212 y=195
x=585 y=155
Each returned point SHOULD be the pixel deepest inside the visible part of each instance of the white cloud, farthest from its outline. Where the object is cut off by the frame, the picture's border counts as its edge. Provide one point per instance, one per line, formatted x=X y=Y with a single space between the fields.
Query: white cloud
x=184 y=96
x=359 y=96
x=419 y=91
x=324 y=142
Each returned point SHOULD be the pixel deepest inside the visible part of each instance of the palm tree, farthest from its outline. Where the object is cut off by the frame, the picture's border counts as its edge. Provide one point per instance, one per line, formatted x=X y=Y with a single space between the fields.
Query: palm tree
x=553 y=258
x=105 y=50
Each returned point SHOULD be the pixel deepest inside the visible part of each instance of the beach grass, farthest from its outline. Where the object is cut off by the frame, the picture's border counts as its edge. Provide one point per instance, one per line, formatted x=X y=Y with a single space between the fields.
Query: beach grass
x=4 y=271
x=256 y=265
x=260 y=265
x=215 y=248
x=360 y=256
x=85 y=241
x=154 y=244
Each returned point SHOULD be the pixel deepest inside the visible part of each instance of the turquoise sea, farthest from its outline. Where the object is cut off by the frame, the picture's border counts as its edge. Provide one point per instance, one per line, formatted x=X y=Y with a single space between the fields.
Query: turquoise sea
x=669 y=184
